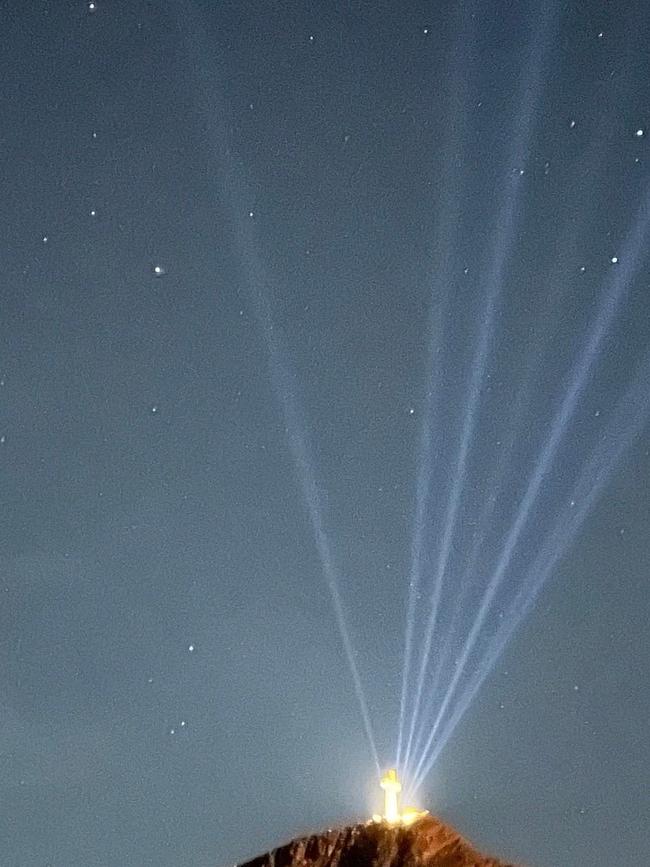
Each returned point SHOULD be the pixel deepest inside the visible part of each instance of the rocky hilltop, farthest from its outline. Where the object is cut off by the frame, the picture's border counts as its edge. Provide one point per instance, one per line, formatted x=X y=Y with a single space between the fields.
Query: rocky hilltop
x=425 y=843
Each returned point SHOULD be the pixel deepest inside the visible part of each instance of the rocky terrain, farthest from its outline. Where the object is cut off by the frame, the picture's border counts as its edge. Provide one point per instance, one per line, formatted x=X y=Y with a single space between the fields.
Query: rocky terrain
x=426 y=843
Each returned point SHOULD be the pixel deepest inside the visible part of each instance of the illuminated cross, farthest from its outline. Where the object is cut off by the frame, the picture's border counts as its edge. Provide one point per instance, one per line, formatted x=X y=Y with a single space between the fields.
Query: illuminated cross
x=392 y=787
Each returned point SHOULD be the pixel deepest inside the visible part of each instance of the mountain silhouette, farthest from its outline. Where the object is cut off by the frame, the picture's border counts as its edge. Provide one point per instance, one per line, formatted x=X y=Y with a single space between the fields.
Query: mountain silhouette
x=427 y=842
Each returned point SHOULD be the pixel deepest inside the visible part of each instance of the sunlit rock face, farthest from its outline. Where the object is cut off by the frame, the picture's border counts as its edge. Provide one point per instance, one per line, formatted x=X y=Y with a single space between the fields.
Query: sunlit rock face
x=425 y=843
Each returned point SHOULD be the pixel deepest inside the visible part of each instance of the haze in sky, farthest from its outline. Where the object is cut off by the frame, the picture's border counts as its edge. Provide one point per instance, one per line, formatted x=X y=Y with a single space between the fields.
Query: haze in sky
x=323 y=425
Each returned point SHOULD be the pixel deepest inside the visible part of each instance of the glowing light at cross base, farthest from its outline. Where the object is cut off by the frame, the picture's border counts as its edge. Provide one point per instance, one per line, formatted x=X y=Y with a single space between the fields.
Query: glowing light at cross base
x=392 y=814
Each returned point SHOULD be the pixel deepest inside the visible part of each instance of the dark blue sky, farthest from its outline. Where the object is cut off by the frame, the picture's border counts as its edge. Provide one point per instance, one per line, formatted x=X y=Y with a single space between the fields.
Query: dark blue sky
x=386 y=230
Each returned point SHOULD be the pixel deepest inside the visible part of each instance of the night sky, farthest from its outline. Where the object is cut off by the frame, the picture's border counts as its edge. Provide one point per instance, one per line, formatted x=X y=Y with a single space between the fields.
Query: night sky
x=314 y=314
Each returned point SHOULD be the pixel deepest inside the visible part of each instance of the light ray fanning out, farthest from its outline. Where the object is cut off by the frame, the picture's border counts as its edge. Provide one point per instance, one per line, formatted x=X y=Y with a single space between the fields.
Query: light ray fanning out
x=532 y=84
x=566 y=243
x=629 y=419
x=447 y=227
x=629 y=262
x=257 y=287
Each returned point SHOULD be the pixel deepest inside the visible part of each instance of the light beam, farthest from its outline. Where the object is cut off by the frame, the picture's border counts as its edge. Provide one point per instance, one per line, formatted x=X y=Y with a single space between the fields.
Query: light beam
x=565 y=243
x=630 y=259
x=529 y=98
x=256 y=279
x=628 y=421
x=447 y=226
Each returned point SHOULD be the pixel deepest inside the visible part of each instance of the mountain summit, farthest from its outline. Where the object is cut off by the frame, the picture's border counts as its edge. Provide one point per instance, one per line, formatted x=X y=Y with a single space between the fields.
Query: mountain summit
x=426 y=842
